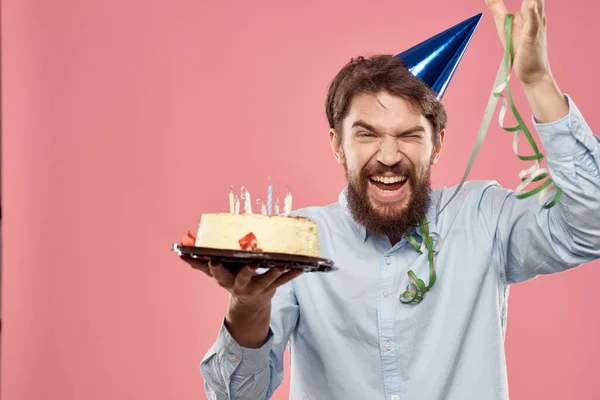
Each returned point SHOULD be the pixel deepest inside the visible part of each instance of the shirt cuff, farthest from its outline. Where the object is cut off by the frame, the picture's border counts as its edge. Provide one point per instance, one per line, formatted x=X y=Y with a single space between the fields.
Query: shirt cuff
x=567 y=137
x=243 y=360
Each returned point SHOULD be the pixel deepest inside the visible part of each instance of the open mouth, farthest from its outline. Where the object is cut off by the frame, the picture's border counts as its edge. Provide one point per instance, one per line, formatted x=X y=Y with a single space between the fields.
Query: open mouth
x=388 y=184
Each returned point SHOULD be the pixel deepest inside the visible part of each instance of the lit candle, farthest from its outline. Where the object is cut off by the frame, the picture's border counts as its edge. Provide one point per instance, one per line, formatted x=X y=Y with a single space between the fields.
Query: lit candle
x=287 y=204
x=247 y=203
x=269 y=198
x=237 y=205
x=277 y=207
x=231 y=200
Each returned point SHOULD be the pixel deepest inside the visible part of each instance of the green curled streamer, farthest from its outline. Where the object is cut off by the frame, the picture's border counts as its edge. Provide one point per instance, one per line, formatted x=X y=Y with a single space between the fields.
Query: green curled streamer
x=508 y=60
x=416 y=289
x=414 y=243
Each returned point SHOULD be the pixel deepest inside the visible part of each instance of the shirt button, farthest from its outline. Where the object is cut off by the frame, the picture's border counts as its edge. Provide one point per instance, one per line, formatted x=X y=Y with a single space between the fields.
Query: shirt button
x=394 y=397
x=234 y=358
x=385 y=294
x=388 y=260
x=388 y=346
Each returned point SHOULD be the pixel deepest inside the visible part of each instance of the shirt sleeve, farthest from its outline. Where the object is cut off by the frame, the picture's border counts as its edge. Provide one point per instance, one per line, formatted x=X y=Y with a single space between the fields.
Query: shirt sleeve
x=529 y=240
x=232 y=372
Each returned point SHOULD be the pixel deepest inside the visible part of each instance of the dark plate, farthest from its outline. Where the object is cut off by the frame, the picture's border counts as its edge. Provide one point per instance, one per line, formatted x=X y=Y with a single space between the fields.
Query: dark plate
x=234 y=259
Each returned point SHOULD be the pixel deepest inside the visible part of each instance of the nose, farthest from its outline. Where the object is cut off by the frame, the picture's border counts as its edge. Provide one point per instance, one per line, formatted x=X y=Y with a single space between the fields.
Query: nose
x=389 y=154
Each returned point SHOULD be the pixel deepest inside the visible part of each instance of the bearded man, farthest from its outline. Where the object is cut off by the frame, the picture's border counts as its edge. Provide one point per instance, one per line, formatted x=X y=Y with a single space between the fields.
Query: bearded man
x=355 y=334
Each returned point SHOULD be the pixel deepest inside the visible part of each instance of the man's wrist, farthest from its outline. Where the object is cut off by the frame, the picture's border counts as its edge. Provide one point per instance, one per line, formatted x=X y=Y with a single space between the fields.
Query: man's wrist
x=254 y=306
x=546 y=100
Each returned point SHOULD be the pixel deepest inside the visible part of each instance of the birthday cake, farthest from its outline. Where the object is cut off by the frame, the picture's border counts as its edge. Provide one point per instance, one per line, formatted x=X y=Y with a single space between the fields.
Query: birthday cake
x=264 y=232
x=256 y=232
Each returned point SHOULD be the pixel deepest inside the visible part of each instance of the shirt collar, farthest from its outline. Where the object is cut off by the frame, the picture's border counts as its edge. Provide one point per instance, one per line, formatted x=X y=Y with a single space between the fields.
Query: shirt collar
x=361 y=231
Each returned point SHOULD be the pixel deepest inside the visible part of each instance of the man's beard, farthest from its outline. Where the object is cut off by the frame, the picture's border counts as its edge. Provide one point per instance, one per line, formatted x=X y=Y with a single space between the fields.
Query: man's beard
x=387 y=219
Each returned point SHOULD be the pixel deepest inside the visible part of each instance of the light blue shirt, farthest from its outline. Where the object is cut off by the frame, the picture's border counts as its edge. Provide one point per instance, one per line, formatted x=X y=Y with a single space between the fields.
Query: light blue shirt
x=351 y=338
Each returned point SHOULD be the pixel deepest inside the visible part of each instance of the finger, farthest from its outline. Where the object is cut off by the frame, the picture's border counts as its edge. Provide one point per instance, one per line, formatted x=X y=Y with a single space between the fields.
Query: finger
x=285 y=278
x=263 y=281
x=243 y=277
x=533 y=18
x=527 y=4
x=202 y=267
x=497 y=8
x=222 y=275
x=198 y=264
x=499 y=13
x=541 y=12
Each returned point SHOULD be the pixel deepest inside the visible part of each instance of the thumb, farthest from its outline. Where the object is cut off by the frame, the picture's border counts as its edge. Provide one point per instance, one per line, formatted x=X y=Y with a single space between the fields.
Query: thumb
x=499 y=12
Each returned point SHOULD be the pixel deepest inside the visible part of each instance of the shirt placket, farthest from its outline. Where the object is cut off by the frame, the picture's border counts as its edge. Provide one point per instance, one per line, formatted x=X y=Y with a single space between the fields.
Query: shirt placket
x=386 y=321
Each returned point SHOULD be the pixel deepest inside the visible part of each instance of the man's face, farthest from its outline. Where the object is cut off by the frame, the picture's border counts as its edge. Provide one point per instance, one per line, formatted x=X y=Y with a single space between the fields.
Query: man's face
x=387 y=149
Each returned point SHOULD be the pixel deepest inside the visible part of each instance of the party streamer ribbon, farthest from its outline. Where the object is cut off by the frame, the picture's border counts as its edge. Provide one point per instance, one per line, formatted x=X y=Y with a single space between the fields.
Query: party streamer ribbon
x=416 y=290
x=535 y=173
x=527 y=176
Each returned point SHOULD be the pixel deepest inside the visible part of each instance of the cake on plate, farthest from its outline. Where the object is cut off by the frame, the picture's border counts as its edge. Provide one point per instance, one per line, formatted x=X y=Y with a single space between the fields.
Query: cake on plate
x=265 y=232
x=257 y=232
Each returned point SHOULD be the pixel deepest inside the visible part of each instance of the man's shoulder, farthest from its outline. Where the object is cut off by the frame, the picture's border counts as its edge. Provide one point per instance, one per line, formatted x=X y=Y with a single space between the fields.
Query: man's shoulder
x=319 y=213
x=472 y=192
x=469 y=188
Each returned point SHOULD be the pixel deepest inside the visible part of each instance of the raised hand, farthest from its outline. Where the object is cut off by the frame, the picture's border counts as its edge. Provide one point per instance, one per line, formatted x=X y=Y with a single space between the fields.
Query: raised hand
x=528 y=30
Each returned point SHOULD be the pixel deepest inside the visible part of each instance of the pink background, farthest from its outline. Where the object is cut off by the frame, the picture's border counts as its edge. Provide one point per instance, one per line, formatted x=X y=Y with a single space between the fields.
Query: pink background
x=124 y=121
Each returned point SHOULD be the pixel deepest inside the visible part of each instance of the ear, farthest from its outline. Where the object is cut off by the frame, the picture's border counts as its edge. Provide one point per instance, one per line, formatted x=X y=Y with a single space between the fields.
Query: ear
x=437 y=147
x=336 y=146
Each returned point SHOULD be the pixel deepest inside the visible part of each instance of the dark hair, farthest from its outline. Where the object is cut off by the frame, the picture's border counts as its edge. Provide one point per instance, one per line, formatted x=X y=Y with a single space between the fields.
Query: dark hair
x=381 y=73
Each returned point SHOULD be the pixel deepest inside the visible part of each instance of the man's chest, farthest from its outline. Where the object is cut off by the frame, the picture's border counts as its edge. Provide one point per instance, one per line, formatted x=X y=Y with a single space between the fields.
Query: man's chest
x=363 y=298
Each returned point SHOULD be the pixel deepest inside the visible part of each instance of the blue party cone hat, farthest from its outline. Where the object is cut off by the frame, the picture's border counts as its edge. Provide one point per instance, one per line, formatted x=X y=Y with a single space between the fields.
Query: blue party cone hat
x=435 y=60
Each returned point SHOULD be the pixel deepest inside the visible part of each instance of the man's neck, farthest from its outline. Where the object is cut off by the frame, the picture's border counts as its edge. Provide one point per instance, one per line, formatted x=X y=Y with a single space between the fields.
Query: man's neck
x=394 y=240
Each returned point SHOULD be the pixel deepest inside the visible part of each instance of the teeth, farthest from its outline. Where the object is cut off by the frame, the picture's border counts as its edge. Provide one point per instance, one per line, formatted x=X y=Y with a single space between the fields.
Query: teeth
x=382 y=190
x=389 y=179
